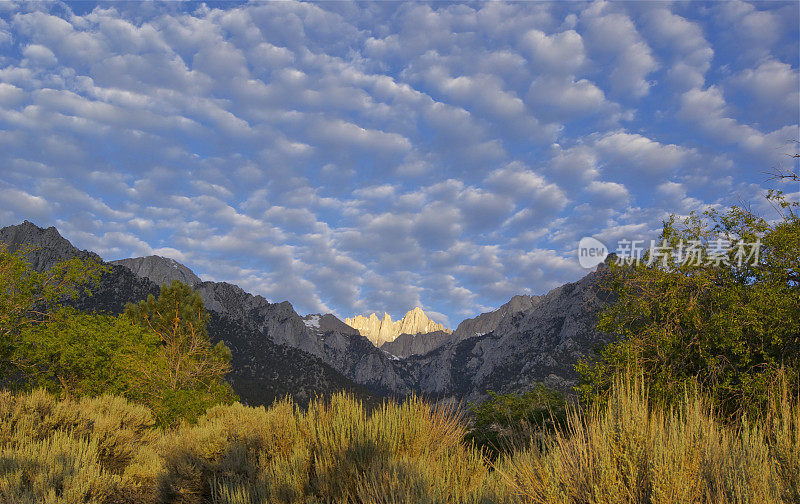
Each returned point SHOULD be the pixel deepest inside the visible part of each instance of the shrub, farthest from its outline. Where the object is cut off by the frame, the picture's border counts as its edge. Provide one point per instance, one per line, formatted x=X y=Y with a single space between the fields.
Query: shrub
x=629 y=452
x=105 y=450
x=92 y=448
x=333 y=452
x=508 y=422
x=60 y=469
x=731 y=324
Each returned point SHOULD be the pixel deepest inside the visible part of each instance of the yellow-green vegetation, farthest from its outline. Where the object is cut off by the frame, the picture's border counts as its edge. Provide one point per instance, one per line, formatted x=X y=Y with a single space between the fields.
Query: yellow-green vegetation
x=108 y=450
x=630 y=452
x=76 y=354
x=157 y=353
x=332 y=452
x=26 y=296
x=89 y=450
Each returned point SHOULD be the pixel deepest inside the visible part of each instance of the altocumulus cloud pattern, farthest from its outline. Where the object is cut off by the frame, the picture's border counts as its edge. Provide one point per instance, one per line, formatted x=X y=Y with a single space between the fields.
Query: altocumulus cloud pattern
x=369 y=157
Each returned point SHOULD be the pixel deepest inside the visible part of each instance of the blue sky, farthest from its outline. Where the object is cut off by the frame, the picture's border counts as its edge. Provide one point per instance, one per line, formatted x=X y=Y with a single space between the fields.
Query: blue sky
x=353 y=158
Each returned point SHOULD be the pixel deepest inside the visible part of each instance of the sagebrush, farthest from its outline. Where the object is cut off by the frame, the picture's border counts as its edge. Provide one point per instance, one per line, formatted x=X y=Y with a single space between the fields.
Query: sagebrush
x=108 y=450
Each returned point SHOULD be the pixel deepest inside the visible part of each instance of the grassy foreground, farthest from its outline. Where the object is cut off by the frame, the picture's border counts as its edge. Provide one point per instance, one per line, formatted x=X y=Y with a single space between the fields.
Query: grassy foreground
x=107 y=450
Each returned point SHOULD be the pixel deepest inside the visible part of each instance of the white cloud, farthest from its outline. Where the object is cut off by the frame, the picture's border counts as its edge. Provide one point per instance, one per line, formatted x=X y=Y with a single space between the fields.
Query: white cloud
x=685 y=41
x=614 y=35
x=642 y=154
x=342 y=132
x=564 y=98
x=539 y=198
x=355 y=158
x=708 y=109
x=772 y=86
x=39 y=55
x=10 y=95
x=609 y=194
x=752 y=30
x=23 y=203
x=560 y=52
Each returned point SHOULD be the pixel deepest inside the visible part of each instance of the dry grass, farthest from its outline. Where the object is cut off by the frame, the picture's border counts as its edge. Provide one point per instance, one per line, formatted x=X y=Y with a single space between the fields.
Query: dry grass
x=333 y=452
x=630 y=453
x=106 y=450
x=86 y=450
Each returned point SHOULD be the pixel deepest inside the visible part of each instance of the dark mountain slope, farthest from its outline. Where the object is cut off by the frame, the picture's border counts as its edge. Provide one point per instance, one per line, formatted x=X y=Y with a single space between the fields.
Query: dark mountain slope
x=538 y=345
x=407 y=345
x=329 y=339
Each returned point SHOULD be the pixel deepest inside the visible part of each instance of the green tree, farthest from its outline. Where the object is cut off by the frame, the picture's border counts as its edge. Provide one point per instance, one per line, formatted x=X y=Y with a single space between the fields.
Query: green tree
x=728 y=326
x=85 y=354
x=28 y=297
x=507 y=422
x=158 y=353
x=188 y=375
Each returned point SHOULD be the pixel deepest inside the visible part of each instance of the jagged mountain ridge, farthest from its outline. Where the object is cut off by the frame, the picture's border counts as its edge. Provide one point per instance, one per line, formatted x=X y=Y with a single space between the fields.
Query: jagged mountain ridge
x=539 y=344
x=327 y=322
x=487 y=322
x=49 y=247
x=346 y=351
x=529 y=340
x=381 y=331
x=262 y=370
x=159 y=270
x=407 y=345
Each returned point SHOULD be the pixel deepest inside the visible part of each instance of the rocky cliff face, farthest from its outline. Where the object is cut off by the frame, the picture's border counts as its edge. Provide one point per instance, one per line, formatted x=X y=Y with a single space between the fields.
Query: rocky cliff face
x=487 y=322
x=45 y=247
x=159 y=270
x=323 y=336
x=540 y=344
x=407 y=345
x=384 y=330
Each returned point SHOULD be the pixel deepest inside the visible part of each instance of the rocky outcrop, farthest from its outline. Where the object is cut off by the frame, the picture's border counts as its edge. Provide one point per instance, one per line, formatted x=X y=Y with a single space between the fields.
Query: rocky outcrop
x=541 y=344
x=43 y=247
x=407 y=345
x=323 y=336
x=324 y=323
x=159 y=270
x=384 y=330
x=487 y=322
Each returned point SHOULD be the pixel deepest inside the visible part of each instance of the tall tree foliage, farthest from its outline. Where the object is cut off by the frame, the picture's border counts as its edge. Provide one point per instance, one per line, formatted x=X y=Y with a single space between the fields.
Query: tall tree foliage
x=28 y=297
x=729 y=326
x=86 y=354
x=188 y=376
x=157 y=353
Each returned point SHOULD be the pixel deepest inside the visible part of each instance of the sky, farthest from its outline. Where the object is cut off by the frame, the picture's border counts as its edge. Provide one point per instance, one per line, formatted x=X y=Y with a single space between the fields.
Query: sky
x=360 y=157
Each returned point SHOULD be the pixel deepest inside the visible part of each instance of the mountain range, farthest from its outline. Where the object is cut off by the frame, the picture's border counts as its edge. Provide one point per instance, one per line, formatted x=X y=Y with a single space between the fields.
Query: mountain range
x=384 y=330
x=528 y=340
